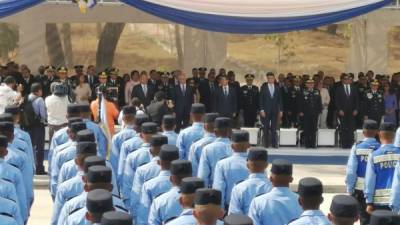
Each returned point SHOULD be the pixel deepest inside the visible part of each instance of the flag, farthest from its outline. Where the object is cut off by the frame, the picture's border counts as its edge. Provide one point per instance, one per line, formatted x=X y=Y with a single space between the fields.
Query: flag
x=91 y=3
x=104 y=124
x=86 y=4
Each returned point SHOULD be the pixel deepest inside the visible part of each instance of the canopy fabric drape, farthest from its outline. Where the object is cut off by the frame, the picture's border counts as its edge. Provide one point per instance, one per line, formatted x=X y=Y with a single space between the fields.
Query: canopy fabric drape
x=256 y=16
x=9 y=7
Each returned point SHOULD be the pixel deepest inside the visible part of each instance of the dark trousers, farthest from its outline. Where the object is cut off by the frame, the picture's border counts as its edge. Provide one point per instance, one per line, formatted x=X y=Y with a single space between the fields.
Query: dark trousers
x=250 y=118
x=364 y=216
x=346 y=129
x=310 y=125
x=37 y=134
x=182 y=121
x=270 y=124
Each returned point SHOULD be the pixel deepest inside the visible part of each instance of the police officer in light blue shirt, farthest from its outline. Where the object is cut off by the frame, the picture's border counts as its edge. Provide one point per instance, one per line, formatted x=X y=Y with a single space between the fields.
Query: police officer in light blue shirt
x=8 y=207
x=256 y=184
x=193 y=133
x=209 y=137
x=98 y=202
x=237 y=219
x=61 y=136
x=64 y=145
x=126 y=133
x=97 y=177
x=233 y=169
x=207 y=206
x=344 y=210
x=168 y=127
x=357 y=166
x=12 y=114
x=219 y=149
x=130 y=145
x=158 y=185
x=8 y=220
x=60 y=157
x=136 y=159
x=310 y=198
x=395 y=195
x=116 y=218
x=384 y=217
x=73 y=187
x=101 y=139
x=188 y=188
x=13 y=175
x=280 y=205
x=380 y=170
x=19 y=160
x=164 y=207
x=147 y=171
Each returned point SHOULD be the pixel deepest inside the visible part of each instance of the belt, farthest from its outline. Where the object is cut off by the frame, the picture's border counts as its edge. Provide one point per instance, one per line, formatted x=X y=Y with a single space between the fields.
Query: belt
x=382 y=196
x=360 y=184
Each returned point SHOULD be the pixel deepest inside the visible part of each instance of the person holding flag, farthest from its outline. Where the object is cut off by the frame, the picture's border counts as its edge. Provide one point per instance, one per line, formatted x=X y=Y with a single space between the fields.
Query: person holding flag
x=108 y=112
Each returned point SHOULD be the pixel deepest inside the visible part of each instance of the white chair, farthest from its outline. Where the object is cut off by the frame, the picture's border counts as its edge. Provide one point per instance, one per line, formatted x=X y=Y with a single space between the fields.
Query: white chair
x=287 y=137
x=326 y=137
x=254 y=134
x=359 y=135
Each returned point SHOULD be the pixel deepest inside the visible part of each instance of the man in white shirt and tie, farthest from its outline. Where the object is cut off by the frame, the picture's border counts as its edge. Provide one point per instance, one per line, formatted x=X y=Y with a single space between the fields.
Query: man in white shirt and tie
x=183 y=98
x=226 y=99
x=270 y=110
x=144 y=91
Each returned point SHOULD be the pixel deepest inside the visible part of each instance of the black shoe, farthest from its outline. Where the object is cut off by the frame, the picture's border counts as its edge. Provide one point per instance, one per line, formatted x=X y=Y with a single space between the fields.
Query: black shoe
x=40 y=172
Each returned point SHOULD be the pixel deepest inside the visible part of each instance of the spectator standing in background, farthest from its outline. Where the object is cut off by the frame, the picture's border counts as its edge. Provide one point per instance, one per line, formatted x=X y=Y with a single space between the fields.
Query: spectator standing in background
x=391 y=105
x=92 y=80
x=28 y=79
x=111 y=108
x=326 y=99
x=134 y=80
x=56 y=105
x=82 y=91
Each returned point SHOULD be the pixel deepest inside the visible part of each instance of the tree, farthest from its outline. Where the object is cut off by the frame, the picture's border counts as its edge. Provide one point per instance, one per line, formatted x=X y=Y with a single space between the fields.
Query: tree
x=54 y=46
x=178 y=44
x=285 y=48
x=107 y=44
x=66 y=33
x=9 y=36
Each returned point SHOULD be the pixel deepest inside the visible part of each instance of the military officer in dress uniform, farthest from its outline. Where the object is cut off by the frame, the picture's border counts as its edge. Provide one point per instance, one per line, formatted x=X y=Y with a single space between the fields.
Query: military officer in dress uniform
x=62 y=73
x=116 y=218
x=238 y=220
x=164 y=207
x=256 y=184
x=344 y=210
x=310 y=107
x=165 y=86
x=380 y=170
x=47 y=79
x=116 y=86
x=250 y=100
x=294 y=92
x=357 y=165
x=233 y=169
x=310 y=191
x=362 y=87
x=188 y=188
x=374 y=104
x=263 y=209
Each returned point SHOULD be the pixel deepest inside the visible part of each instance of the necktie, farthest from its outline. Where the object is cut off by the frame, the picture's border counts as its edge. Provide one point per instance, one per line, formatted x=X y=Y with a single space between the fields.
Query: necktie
x=212 y=87
x=347 y=90
x=145 y=90
x=225 y=92
x=183 y=89
x=271 y=89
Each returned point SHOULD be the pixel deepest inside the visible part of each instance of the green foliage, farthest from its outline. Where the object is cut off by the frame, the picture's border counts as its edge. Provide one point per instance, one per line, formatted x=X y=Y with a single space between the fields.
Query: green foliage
x=9 y=37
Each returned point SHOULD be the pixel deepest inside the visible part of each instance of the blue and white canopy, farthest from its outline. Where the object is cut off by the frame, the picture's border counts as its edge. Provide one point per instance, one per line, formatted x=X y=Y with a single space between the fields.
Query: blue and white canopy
x=256 y=16
x=240 y=16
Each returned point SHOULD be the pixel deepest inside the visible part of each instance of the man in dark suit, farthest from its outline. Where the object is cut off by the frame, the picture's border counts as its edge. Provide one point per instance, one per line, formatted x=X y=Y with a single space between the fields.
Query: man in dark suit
x=47 y=79
x=270 y=110
x=207 y=90
x=249 y=101
x=226 y=99
x=347 y=104
x=92 y=80
x=143 y=91
x=27 y=81
x=158 y=108
x=183 y=98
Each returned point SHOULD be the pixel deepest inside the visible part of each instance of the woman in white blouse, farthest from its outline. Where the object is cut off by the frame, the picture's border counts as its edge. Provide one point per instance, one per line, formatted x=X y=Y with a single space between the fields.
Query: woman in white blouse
x=82 y=91
x=129 y=86
x=325 y=102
